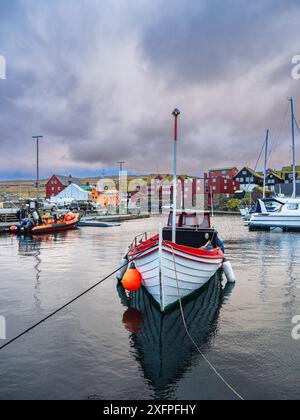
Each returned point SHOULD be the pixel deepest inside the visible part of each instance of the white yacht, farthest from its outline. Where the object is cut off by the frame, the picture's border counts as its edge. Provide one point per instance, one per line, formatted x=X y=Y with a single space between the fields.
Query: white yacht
x=283 y=213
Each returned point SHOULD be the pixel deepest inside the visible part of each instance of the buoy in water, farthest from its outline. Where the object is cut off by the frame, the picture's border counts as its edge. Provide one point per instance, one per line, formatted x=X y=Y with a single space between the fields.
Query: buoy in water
x=132 y=279
x=13 y=229
x=228 y=271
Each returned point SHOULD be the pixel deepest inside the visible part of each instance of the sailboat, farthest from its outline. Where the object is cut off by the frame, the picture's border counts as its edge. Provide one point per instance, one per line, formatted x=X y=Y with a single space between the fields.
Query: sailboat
x=183 y=257
x=286 y=213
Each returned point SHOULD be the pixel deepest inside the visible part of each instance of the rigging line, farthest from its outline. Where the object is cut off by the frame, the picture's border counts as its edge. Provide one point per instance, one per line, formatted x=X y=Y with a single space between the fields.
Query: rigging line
x=65 y=305
x=296 y=122
x=279 y=132
x=194 y=342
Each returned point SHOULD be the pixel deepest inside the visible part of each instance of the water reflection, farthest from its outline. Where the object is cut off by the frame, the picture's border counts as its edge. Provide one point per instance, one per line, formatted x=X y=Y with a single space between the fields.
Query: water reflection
x=159 y=341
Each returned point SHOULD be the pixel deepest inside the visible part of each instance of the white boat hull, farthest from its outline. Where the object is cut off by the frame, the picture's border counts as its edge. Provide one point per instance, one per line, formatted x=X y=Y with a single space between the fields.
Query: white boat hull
x=168 y=277
x=275 y=221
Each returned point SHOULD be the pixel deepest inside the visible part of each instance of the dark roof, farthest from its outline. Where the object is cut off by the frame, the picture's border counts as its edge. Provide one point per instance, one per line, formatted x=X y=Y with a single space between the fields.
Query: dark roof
x=66 y=180
x=252 y=172
x=275 y=174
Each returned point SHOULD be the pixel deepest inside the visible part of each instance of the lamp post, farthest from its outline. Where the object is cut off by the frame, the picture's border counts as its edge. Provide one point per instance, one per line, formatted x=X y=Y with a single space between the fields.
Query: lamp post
x=121 y=164
x=37 y=138
x=175 y=114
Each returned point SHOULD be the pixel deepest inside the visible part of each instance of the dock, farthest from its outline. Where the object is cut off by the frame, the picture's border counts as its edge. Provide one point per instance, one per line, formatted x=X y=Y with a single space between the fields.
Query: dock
x=8 y=218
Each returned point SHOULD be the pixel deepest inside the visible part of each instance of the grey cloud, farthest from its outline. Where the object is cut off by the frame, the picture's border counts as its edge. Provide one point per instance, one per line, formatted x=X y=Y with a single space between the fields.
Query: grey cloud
x=100 y=79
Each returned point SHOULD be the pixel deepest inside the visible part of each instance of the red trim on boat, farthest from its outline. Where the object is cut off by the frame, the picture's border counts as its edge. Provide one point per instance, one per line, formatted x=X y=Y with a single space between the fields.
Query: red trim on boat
x=213 y=254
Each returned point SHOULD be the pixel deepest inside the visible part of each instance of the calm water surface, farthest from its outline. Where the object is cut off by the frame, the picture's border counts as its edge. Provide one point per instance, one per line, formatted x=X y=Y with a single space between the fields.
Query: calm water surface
x=106 y=347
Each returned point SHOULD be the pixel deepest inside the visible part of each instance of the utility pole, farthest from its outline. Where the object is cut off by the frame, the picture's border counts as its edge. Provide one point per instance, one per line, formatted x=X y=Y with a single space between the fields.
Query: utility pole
x=37 y=138
x=121 y=164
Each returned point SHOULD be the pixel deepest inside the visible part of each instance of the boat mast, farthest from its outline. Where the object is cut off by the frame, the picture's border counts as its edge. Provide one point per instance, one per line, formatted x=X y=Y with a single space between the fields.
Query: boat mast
x=266 y=162
x=293 y=147
x=175 y=114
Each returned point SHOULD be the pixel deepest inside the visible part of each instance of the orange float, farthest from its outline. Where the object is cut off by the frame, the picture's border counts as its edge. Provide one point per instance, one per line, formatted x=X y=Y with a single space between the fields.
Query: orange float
x=132 y=279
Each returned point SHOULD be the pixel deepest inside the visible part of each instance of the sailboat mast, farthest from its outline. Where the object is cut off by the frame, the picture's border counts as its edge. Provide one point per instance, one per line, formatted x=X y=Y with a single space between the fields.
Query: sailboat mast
x=175 y=114
x=266 y=162
x=293 y=147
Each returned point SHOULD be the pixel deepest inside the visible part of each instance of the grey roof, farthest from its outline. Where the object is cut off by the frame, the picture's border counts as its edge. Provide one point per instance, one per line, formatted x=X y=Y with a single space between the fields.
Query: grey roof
x=66 y=180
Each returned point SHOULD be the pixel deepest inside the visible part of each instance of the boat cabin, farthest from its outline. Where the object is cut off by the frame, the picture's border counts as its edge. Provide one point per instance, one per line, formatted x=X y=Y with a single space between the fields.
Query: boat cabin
x=191 y=220
x=192 y=229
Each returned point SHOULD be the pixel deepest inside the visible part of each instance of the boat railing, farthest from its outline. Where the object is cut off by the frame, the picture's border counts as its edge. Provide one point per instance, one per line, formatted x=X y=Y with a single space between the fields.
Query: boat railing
x=139 y=239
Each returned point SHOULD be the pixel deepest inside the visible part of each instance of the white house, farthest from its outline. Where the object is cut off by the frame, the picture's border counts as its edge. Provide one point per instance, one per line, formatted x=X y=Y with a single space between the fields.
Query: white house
x=72 y=193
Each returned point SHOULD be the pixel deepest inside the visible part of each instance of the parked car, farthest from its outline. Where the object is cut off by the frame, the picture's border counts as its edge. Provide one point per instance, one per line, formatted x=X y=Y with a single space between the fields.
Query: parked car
x=82 y=206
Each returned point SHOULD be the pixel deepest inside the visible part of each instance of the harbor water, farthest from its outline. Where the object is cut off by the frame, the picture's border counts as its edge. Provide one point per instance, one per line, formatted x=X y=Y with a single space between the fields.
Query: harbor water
x=105 y=346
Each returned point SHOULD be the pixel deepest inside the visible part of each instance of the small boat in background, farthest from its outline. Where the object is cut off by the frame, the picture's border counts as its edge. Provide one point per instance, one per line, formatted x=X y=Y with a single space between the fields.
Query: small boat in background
x=283 y=213
x=65 y=222
x=94 y=223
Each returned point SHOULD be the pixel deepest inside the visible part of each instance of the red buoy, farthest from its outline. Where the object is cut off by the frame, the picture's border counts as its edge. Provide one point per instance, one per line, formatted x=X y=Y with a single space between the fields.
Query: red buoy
x=13 y=229
x=132 y=279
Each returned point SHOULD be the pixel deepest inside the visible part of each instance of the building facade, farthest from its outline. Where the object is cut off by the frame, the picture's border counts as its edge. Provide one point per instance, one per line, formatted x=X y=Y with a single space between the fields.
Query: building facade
x=57 y=183
x=221 y=181
x=249 y=179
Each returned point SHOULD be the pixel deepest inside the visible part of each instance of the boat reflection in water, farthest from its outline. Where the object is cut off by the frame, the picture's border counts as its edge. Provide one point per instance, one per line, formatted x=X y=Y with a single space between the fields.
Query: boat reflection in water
x=161 y=344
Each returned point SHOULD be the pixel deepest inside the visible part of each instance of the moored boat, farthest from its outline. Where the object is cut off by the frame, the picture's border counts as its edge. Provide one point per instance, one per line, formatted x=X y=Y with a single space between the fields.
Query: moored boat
x=181 y=259
x=65 y=222
x=285 y=215
x=172 y=271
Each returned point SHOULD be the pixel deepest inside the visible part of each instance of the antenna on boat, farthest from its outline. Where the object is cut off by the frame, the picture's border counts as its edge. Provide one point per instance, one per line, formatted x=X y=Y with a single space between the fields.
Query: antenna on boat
x=266 y=162
x=293 y=147
x=175 y=114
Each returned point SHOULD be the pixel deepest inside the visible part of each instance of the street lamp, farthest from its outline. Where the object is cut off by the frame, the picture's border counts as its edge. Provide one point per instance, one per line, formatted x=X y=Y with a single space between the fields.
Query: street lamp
x=37 y=138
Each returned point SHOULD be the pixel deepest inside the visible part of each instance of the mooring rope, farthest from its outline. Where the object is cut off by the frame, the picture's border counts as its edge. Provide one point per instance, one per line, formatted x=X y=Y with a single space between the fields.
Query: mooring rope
x=65 y=305
x=194 y=342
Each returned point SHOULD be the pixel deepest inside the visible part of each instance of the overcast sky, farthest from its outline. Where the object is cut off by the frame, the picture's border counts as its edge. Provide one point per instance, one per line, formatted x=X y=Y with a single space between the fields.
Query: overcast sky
x=100 y=78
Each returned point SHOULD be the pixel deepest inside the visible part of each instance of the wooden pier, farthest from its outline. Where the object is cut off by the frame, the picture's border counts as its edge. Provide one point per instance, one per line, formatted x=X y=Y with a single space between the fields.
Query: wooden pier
x=8 y=218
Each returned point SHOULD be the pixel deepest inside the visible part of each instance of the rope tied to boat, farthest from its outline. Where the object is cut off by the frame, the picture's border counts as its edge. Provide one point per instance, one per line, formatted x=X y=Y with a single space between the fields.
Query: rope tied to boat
x=66 y=305
x=230 y=387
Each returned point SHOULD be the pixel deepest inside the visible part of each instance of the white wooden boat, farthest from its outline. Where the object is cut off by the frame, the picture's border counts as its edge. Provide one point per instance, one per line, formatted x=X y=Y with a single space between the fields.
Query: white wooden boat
x=183 y=257
x=175 y=270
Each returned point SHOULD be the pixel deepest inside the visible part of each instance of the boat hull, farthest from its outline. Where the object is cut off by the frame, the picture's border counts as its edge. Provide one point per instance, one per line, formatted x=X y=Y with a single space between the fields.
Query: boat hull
x=271 y=221
x=57 y=227
x=170 y=274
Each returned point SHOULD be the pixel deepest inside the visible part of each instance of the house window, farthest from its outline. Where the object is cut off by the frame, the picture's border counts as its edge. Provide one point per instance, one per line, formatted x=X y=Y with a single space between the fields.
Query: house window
x=244 y=172
x=214 y=180
x=225 y=181
x=247 y=179
x=214 y=188
x=225 y=188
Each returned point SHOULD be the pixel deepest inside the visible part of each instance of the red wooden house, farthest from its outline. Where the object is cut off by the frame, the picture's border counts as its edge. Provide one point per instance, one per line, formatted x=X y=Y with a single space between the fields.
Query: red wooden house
x=221 y=181
x=57 y=183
